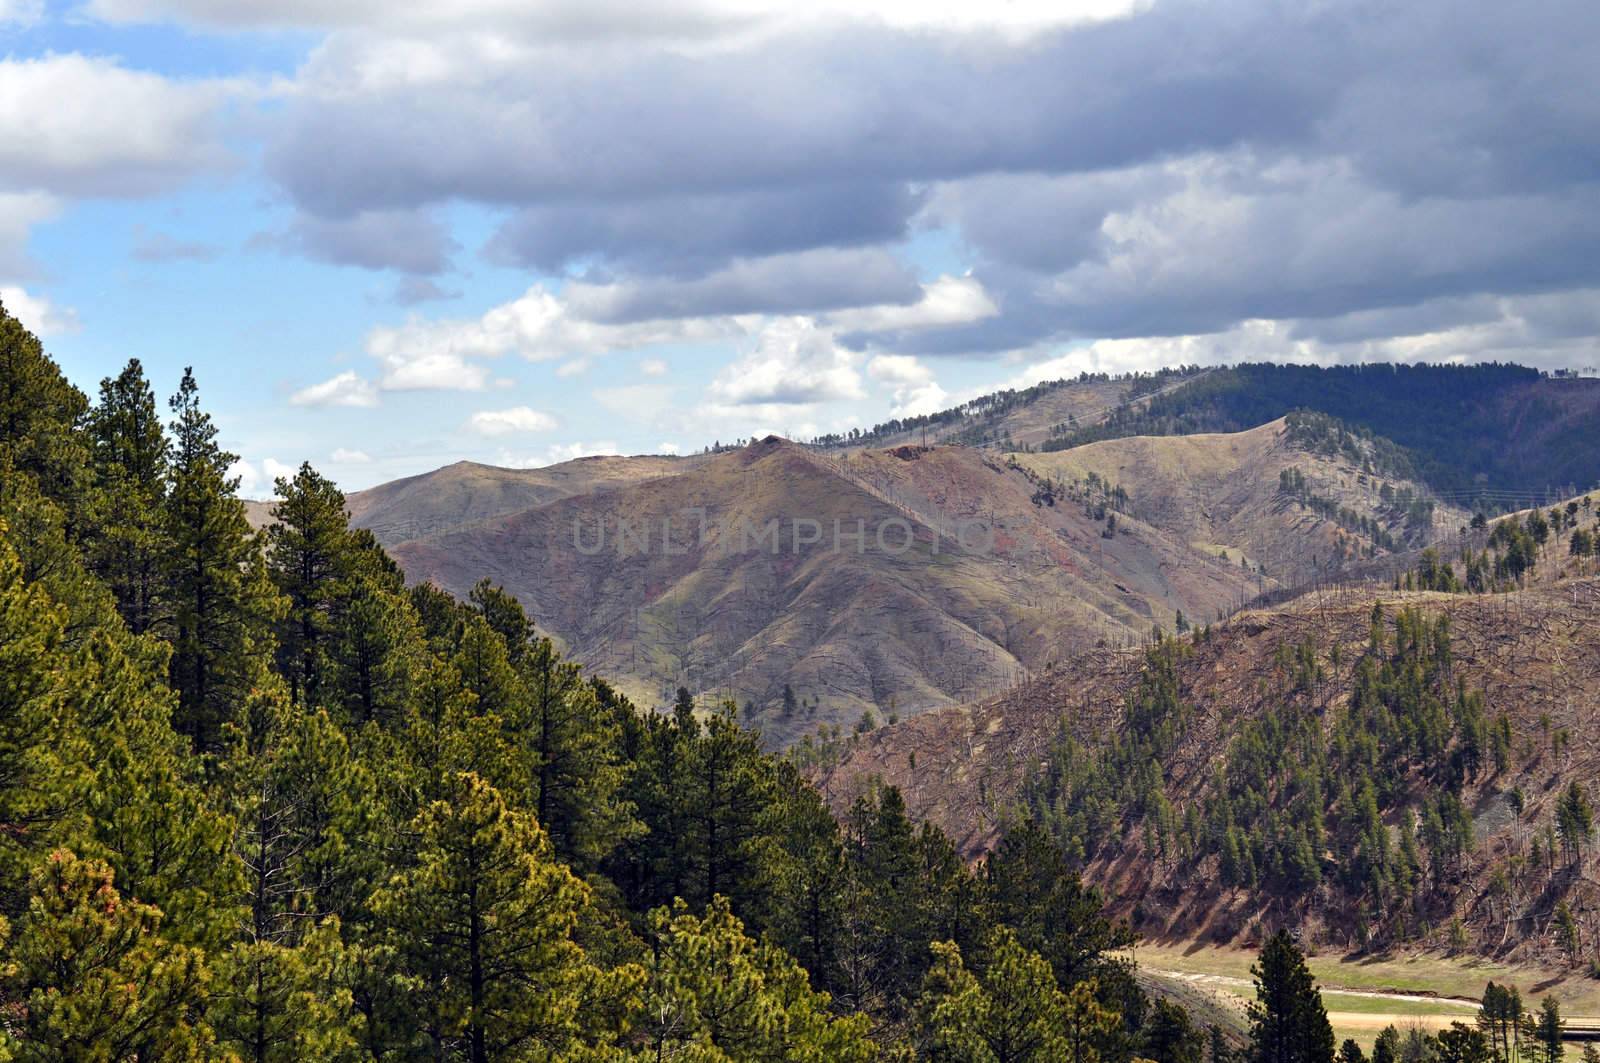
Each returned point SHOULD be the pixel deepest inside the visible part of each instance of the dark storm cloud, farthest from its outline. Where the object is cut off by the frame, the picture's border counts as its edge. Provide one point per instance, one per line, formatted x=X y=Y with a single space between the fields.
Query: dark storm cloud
x=867 y=105
x=807 y=282
x=407 y=241
x=1173 y=172
x=693 y=234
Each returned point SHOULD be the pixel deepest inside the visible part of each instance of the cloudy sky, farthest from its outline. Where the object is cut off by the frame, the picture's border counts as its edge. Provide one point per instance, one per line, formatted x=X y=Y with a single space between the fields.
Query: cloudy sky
x=518 y=231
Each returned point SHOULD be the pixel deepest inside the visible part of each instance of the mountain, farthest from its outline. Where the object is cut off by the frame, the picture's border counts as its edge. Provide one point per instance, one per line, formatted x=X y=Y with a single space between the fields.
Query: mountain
x=1192 y=716
x=970 y=578
x=419 y=506
x=1023 y=418
x=1275 y=494
x=1493 y=435
x=433 y=502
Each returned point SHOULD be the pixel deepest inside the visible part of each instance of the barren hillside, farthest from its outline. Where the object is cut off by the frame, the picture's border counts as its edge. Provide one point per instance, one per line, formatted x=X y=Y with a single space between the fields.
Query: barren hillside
x=1224 y=492
x=993 y=583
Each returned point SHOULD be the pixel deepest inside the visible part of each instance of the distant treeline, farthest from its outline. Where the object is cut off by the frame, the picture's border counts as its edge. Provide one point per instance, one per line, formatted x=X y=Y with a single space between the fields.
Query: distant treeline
x=1488 y=427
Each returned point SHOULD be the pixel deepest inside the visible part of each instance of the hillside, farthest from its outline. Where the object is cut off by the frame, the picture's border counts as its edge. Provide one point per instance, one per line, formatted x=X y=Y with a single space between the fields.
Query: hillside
x=1226 y=492
x=432 y=502
x=1493 y=434
x=1531 y=654
x=419 y=506
x=998 y=581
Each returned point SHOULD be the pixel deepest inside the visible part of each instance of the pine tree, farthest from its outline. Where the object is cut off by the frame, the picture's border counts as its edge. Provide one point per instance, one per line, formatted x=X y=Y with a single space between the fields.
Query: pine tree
x=310 y=558
x=215 y=577
x=93 y=979
x=571 y=743
x=482 y=925
x=166 y=837
x=39 y=415
x=1288 y=1023
x=275 y=1003
x=1013 y=1011
x=1170 y=1036
x=728 y=790
x=130 y=462
x=1574 y=821
x=1549 y=1031
x=42 y=750
x=1460 y=1043
x=712 y=992
x=1033 y=889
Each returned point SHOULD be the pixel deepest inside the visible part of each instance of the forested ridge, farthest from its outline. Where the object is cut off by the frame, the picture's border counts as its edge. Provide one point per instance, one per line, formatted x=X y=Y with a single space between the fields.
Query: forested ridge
x=261 y=801
x=1464 y=430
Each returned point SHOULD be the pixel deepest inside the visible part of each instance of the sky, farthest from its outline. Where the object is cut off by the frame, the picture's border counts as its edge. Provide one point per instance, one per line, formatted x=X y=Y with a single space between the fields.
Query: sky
x=390 y=237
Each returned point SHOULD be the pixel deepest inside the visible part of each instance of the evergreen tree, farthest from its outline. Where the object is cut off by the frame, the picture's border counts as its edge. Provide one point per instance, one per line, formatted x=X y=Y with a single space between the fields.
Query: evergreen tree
x=40 y=413
x=482 y=925
x=130 y=459
x=1013 y=1011
x=1170 y=1036
x=572 y=744
x=1288 y=1023
x=1574 y=821
x=1034 y=890
x=274 y=1003
x=1549 y=1031
x=215 y=577
x=310 y=558
x=164 y=833
x=43 y=753
x=1461 y=1043
x=93 y=979
x=712 y=993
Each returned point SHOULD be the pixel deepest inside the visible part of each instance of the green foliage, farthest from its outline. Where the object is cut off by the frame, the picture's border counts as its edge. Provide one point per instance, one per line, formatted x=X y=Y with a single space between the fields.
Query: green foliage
x=1012 y=1011
x=220 y=602
x=712 y=993
x=321 y=816
x=1288 y=1023
x=93 y=979
x=481 y=928
x=43 y=759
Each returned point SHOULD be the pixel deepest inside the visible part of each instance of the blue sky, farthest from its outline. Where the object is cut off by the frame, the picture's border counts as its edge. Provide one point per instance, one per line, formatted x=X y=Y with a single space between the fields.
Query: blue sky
x=389 y=239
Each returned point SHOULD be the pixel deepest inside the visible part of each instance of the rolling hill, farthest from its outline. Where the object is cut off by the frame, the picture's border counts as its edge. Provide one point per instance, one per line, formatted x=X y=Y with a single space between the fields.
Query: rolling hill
x=975 y=582
x=1225 y=492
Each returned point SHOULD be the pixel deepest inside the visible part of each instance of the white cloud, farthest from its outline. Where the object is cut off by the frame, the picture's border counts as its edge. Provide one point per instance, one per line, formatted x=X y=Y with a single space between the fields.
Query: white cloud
x=946 y=301
x=653 y=367
x=668 y=448
x=38 y=314
x=538 y=326
x=680 y=21
x=21 y=12
x=19 y=213
x=79 y=125
x=346 y=389
x=555 y=455
x=277 y=470
x=351 y=457
x=915 y=392
x=794 y=363
x=515 y=421
x=637 y=402
x=249 y=478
